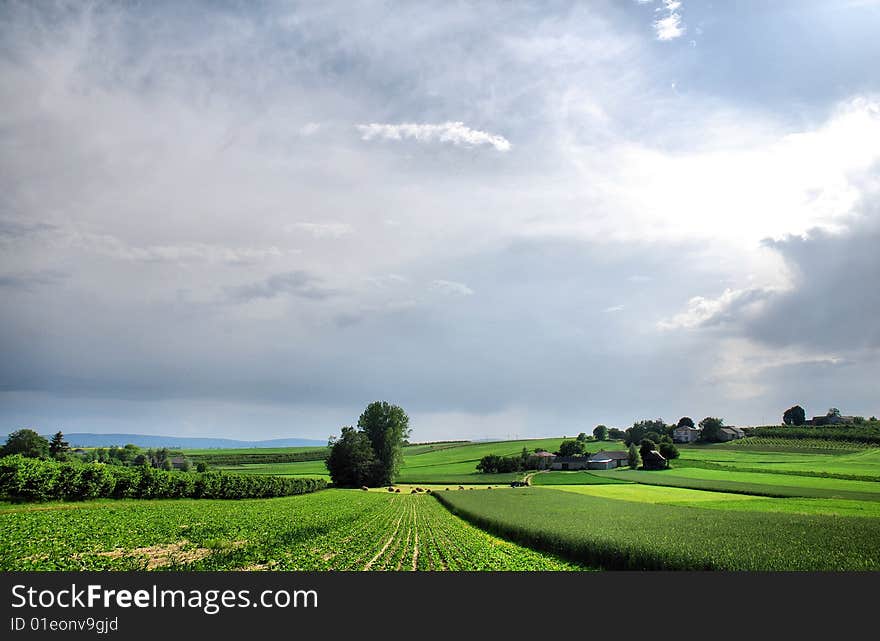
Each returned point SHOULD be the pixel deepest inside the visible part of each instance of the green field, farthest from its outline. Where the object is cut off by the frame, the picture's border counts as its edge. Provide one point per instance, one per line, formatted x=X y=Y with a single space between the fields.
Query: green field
x=573 y=478
x=721 y=506
x=762 y=484
x=617 y=534
x=441 y=463
x=330 y=530
x=863 y=464
x=248 y=450
x=724 y=500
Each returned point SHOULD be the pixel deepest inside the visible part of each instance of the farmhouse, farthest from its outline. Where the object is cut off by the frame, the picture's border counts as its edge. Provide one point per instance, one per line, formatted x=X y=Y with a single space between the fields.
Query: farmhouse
x=831 y=420
x=686 y=434
x=570 y=463
x=653 y=460
x=608 y=460
x=542 y=460
x=730 y=433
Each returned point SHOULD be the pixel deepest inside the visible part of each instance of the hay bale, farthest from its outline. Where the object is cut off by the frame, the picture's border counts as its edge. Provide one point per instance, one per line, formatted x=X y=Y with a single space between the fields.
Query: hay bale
x=390 y=489
x=397 y=490
x=365 y=488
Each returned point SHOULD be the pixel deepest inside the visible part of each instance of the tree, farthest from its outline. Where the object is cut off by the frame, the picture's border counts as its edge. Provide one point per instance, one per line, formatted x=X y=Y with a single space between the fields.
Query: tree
x=668 y=450
x=58 y=447
x=201 y=466
x=633 y=457
x=833 y=412
x=351 y=460
x=600 y=433
x=571 y=448
x=27 y=443
x=711 y=427
x=685 y=421
x=794 y=415
x=647 y=446
x=639 y=429
x=386 y=426
x=616 y=434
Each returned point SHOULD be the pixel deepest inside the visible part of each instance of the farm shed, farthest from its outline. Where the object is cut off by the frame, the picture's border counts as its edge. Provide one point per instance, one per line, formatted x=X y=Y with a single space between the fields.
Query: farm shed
x=570 y=463
x=730 y=433
x=654 y=460
x=608 y=460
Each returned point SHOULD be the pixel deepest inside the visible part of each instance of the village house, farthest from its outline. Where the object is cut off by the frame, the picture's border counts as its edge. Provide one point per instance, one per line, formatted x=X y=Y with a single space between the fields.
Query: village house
x=686 y=434
x=608 y=460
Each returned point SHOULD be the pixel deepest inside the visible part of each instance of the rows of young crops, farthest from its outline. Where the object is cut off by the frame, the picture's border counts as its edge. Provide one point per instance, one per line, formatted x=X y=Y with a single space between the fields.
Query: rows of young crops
x=330 y=530
x=618 y=534
x=799 y=445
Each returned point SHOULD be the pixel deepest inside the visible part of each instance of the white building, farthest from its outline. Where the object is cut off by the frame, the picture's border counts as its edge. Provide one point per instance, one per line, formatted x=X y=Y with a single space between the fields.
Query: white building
x=686 y=434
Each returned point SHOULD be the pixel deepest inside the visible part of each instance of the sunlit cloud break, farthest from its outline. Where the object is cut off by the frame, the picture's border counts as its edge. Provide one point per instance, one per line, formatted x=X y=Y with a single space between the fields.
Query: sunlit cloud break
x=670 y=26
x=455 y=132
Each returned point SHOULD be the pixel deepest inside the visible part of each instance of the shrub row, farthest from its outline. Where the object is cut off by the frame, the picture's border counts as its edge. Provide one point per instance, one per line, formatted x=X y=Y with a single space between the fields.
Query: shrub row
x=30 y=479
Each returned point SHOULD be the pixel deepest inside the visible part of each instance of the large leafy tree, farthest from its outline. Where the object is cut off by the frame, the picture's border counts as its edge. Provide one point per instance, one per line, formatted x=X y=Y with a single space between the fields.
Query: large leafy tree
x=387 y=427
x=794 y=415
x=685 y=421
x=27 y=443
x=711 y=427
x=600 y=433
x=350 y=459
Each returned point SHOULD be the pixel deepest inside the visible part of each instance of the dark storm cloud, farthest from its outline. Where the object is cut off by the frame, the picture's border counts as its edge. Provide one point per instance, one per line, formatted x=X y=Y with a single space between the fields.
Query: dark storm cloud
x=835 y=302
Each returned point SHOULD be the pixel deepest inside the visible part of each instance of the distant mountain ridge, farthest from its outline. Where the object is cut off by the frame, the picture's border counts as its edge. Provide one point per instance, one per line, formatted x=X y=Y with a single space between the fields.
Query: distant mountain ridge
x=89 y=439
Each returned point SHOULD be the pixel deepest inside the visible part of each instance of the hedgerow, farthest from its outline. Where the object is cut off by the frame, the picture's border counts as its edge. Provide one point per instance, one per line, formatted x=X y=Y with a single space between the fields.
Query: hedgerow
x=28 y=479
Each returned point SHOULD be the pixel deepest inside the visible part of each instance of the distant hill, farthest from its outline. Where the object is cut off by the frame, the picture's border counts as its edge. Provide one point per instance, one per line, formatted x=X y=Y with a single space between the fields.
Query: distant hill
x=88 y=439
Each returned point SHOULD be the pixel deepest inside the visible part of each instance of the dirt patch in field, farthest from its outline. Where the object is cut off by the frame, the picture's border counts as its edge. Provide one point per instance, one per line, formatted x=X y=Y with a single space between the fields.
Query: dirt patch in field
x=159 y=556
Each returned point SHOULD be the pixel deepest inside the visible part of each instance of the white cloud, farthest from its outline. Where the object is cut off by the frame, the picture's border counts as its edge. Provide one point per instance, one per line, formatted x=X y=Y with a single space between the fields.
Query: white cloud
x=323 y=230
x=115 y=247
x=452 y=288
x=455 y=132
x=615 y=308
x=702 y=311
x=669 y=26
x=741 y=364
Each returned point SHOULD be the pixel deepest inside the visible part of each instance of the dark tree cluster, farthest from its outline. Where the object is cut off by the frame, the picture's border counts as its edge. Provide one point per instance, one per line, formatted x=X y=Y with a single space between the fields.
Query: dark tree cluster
x=369 y=455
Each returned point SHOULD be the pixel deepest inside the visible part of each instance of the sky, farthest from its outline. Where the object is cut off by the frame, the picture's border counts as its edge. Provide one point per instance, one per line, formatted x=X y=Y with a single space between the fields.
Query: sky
x=251 y=219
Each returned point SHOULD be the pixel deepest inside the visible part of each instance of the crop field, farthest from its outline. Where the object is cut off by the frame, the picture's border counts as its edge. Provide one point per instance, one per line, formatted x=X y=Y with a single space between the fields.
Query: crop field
x=724 y=500
x=752 y=483
x=616 y=534
x=805 y=445
x=315 y=469
x=573 y=478
x=330 y=530
x=862 y=464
